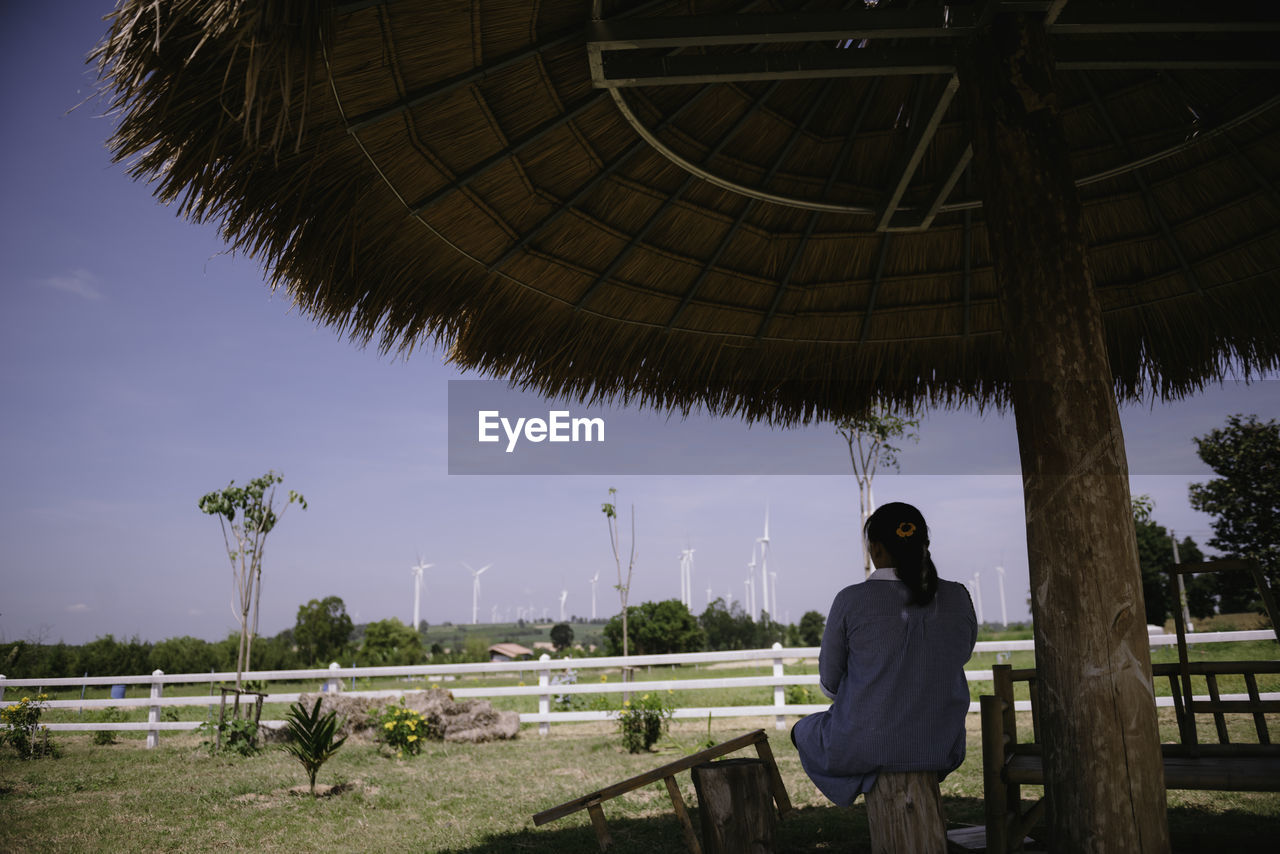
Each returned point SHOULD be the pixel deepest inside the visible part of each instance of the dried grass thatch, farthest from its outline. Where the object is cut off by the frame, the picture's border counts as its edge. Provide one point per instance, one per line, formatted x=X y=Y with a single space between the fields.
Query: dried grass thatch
x=445 y=171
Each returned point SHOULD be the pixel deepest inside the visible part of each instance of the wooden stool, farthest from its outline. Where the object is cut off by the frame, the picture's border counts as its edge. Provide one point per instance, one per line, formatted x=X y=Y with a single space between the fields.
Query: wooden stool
x=774 y=788
x=735 y=805
x=904 y=811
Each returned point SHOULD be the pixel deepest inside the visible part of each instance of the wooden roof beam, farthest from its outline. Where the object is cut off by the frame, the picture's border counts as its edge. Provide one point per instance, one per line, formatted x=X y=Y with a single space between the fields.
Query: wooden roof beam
x=716 y=30
x=1153 y=206
x=812 y=223
x=620 y=70
x=924 y=138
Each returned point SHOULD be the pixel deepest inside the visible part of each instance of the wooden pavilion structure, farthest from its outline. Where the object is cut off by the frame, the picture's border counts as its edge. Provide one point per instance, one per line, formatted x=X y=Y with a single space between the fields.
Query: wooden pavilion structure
x=777 y=210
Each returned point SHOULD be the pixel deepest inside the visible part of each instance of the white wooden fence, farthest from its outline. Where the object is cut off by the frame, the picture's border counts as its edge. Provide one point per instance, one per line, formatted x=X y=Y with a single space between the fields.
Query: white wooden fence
x=546 y=671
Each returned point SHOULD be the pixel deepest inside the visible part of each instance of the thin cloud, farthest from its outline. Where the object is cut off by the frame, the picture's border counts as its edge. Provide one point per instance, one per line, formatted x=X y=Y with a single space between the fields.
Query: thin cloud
x=80 y=282
x=78 y=608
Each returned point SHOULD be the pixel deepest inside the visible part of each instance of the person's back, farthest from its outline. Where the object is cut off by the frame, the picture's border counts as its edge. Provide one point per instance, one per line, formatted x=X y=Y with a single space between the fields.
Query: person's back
x=893 y=656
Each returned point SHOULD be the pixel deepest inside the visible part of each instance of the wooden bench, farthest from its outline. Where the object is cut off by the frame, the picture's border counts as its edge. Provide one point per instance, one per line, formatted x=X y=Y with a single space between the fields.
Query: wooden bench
x=592 y=802
x=1008 y=764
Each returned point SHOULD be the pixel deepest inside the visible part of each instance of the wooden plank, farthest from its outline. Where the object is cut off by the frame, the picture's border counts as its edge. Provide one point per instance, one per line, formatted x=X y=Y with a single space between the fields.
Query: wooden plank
x=597 y=822
x=778 y=788
x=677 y=803
x=648 y=777
x=1259 y=719
x=1223 y=773
x=995 y=790
x=1217 y=773
x=1216 y=701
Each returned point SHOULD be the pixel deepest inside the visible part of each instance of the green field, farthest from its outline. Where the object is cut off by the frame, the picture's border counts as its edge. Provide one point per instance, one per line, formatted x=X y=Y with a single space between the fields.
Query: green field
x=461 y=799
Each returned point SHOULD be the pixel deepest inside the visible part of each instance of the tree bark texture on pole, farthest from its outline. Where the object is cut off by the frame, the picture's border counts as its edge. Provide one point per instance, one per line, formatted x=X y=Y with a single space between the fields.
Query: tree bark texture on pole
x=904 y=813
x=1104 y=778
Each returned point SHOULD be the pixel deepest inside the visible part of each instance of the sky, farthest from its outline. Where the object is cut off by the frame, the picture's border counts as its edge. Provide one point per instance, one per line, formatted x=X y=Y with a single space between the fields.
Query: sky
x=143 y=365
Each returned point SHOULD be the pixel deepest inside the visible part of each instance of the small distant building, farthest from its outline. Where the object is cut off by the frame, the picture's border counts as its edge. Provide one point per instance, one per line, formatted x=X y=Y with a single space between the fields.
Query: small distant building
x=544 y=646
x=509 y=652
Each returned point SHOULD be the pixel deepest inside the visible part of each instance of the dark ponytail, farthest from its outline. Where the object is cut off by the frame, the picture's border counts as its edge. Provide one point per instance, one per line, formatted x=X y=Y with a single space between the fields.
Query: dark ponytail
x=901 y=529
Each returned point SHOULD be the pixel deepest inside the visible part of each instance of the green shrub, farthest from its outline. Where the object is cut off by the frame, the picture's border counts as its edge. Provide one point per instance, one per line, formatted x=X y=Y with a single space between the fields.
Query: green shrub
x=644 y=720
x=24 y=732
x=311 y=737
x=799 y=695
x=108 y=715
x=403 y=730
x=239 y=736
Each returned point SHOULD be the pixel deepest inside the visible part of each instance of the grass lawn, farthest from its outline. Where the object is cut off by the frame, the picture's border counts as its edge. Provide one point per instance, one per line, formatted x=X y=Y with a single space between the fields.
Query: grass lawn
x=462 y=799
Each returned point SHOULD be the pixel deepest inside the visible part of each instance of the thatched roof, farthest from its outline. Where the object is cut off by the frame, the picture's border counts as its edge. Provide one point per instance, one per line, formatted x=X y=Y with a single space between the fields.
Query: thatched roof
x=790 y=236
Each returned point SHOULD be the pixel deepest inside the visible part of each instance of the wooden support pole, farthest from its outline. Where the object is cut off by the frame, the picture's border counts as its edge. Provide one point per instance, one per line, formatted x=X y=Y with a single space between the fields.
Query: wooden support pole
x=735 y=806
x=677 y=803
x=998 y=809
x=597 y=822
x=779 y=789
x=904 y=812
x=1104 y=777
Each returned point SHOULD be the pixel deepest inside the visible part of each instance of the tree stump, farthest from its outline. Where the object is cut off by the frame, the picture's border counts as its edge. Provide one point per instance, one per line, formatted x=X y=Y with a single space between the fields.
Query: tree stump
x=905 y=814
x=735 y=806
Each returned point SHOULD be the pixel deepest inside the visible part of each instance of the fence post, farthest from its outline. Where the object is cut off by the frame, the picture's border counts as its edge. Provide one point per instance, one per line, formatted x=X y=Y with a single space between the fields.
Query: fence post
x=153 y=716
x=544 y=700
x=779 y=693
x=334 y=685
x=1 y=686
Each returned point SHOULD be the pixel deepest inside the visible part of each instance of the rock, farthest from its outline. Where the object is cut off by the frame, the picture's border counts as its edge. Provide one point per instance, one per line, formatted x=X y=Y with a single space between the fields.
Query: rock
x=470 y=721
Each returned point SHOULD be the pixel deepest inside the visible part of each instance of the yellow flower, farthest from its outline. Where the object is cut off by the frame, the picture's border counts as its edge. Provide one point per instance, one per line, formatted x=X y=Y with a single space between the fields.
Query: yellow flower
x=26 y=699
x=645 y=697
x=669 y=691
x=435 y=685
x=390 y=724
x=521 y=683
x=604 y=677
x=413 y=738
x=626 y=703
x=413 y=725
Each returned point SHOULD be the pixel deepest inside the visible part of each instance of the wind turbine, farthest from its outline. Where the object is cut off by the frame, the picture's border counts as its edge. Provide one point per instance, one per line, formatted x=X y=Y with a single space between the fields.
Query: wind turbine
x=564 y=594
x=750 y=600
x=594 y=579
x=708 y=597
x=977 y=586
x=1004 y=615
x=773 y=595
x=417 y=588
x=764 y=562
x=686 y=578
x=750 y=584
x=475 y=593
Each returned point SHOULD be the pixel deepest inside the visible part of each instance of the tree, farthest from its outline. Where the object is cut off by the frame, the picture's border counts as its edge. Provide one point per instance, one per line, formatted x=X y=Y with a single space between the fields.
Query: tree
x=812 y=624
x=182 y=655
x=610 y=511
x=391 y=642
x=562 y=636
x=870 y=439
x=1155 y=556
x=727 y=627
x=322 y=629
x=657 y=628
x=245 y=538
x=1245 y=498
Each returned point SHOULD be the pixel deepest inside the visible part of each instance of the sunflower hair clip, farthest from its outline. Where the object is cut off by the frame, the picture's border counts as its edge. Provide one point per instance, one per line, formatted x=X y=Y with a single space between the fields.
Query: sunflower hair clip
x=906 y=529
